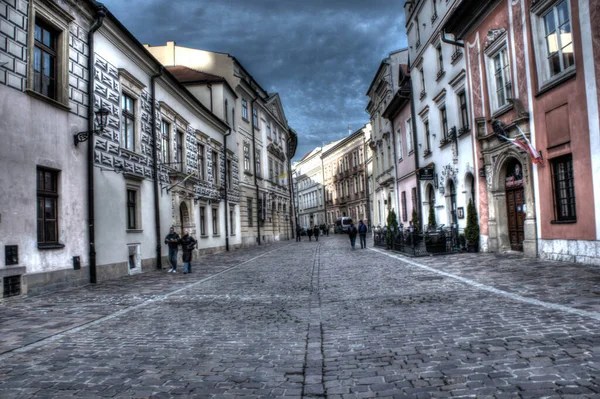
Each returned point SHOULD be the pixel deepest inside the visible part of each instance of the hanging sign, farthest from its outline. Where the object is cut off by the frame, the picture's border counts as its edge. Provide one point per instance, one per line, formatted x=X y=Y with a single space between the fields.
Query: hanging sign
x=426 y=173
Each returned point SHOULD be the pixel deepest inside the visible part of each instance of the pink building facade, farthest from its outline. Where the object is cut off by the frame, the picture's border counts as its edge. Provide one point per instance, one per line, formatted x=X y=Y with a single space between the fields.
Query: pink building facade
x=399 y=113
x=533 y=73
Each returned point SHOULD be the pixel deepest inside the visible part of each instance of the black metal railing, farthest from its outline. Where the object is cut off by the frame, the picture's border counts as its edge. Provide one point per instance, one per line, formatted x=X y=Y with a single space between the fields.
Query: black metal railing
x=435 y=241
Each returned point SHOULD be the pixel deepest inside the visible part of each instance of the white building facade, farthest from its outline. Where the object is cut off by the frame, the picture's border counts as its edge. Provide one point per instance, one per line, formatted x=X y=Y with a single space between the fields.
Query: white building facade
x=437 y=70
x=308 y=176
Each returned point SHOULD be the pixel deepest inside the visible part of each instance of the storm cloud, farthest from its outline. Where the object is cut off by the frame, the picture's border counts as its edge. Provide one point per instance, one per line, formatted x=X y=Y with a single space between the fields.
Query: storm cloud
x=319 y=55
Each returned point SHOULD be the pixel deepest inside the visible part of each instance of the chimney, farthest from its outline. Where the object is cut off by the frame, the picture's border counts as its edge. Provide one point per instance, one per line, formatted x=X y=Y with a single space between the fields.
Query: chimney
x=349 y=130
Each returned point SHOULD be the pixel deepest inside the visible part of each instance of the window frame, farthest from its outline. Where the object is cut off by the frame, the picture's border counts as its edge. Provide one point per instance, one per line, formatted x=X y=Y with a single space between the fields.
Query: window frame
x=165 y=141
x=126 y=116
x=215 y=167
x=200 y=161
x=45 y=49
x=463 y=111
x=202 y=218
x=545 y=79
x=215 y=220
x=246 y=152
x=47 y=193
x=53 y=16
x=245 y=109
x=569 y=200
x=499 y=47
x=255 y=118
x=179 y=150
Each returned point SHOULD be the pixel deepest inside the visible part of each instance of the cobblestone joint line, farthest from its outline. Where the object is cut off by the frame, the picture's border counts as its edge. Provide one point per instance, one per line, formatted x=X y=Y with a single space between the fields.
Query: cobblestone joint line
x=484 y=287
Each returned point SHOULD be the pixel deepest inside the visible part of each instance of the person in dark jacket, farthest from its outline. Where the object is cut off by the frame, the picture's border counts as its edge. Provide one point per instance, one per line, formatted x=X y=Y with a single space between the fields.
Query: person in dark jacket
x=187 y=245
x=362 y=232
x=298 y=233
x=172 y=240
x=309 y=233
x=352 y=232
x=316 y=232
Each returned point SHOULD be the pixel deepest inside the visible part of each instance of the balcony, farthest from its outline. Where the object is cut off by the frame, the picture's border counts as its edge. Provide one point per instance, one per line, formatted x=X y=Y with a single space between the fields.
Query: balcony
x=456 y=56
x=426 y=153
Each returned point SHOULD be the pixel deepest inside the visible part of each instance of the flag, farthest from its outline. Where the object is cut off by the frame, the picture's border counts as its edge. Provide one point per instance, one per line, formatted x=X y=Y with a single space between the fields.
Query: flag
x=535 y=156
x=525 y=144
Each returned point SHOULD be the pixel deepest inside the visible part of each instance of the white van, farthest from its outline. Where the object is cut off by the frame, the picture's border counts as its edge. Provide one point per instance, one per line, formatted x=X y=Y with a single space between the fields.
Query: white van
x=342 y=225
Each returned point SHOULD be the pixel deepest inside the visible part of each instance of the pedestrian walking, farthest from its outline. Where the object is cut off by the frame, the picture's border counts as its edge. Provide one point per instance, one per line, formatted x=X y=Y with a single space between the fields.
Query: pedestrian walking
x=362 y=232
x=324 y=229
x=316 y=232
x=352 y=232
x=187 y=245
x=172 y=240
x=309 y=233
x=298 y=233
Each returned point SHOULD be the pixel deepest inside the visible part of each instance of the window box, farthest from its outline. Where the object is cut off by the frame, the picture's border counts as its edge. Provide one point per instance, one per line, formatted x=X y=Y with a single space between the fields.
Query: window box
x=456 y=56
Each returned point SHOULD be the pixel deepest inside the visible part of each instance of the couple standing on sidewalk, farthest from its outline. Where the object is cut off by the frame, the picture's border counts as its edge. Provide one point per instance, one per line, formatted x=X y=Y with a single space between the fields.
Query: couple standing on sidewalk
x=361 y=231
x=187 y=243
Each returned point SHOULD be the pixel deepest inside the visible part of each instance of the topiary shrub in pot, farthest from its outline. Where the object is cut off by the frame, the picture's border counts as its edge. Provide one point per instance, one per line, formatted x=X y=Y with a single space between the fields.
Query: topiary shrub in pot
x=472 y=229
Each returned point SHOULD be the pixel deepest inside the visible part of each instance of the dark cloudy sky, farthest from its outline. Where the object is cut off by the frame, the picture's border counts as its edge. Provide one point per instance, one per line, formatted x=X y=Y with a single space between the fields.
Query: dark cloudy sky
x=319 y=55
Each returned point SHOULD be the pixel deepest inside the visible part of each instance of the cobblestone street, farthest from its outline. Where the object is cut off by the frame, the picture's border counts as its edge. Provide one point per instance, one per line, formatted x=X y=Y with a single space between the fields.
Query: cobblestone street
x=314 y=319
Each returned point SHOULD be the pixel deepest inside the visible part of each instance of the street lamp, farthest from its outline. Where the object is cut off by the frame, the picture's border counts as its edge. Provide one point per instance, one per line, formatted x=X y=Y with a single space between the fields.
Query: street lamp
x=101 y=120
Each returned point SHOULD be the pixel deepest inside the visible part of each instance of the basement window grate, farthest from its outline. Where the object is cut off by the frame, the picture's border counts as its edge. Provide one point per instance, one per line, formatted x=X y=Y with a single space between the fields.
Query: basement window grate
x=12 y=286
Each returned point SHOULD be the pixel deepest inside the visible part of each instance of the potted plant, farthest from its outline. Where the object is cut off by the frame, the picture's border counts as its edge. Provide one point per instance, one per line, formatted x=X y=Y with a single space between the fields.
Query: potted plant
x=472 y=229
x=462 y=241
x=435 y=241
x=392 y=228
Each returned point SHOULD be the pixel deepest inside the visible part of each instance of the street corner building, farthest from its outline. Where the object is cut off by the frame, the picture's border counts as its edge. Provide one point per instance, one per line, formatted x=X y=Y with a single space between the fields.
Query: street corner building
x=106 y=146
x=523 y=85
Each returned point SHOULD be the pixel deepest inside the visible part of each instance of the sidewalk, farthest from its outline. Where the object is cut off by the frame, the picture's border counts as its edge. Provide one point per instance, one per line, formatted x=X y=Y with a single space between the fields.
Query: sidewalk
x=25 y=320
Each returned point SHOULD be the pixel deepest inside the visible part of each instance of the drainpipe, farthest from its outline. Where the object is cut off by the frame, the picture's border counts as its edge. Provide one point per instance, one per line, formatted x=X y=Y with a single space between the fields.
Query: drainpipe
x=225 y=190
x=100 y=14
x=415 y=144
x=255 y=171
x=155 y=169
x=453 y=42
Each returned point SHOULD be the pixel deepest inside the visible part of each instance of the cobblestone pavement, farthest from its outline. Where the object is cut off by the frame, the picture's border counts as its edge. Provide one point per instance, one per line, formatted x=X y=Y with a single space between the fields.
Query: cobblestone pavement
x=314 y=320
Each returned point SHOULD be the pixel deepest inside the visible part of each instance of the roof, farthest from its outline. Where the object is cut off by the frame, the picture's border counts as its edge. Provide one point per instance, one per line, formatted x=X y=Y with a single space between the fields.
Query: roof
x=186 y=74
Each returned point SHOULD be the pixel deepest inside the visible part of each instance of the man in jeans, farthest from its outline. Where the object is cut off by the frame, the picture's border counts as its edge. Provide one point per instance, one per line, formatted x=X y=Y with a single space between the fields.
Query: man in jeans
x=172 y=240
x=362 y=233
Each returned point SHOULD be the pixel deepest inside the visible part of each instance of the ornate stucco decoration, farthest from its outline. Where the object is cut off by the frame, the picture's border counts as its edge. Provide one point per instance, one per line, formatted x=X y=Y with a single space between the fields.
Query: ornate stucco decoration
x=274 y=149
x=493 y=35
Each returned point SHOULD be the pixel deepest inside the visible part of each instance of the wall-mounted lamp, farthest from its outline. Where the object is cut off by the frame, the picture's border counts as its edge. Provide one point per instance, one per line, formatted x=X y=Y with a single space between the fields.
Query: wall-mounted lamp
x=420 y=145
x=101 y=120
x=434 y=136
x=482 y=171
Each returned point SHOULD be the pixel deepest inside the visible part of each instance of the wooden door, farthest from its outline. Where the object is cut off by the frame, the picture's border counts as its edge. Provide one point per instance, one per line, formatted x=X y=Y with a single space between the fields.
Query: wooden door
x=515 y=200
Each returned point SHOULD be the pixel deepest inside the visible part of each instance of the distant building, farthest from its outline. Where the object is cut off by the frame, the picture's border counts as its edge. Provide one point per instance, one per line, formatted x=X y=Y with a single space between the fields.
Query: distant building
x=308 y=175
x=345 y=177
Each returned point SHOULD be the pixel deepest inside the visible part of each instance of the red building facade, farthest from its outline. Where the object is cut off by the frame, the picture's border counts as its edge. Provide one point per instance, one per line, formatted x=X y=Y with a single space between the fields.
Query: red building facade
x=533 y=78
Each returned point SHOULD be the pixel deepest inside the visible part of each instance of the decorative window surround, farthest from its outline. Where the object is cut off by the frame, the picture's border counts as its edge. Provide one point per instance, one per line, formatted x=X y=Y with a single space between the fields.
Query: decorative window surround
x=58 y=19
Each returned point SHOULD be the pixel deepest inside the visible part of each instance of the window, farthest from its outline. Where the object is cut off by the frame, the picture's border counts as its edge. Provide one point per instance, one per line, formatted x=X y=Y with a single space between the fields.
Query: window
x=47 y=206
x=418 y=32
x=274 y=133
x=127 y=122
x=246 y=157
x=200 y=161
x=255 y=117
x=499 y=79
x=215 y=221
x=422 y=75
x=202 y=221
x=355 y=185
x=440 y=58
x=179 y=151
x=400 y=149
x=226 y=111
x=404 y=210
x=165 y=128
x=427 y=141
x=271 y=169
x=564 y=188
x=409 y=138
x=233 y=118
x=434 y=16
x=244 y=109
x=44 y=60
x=249 y=211
x=215 y=167
x=464 y=112
x=554 y=47
x=258 y=170
x=444 y=119
x=269 y=129
x=132 y=209
x=232 y=219
x=47 y=44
